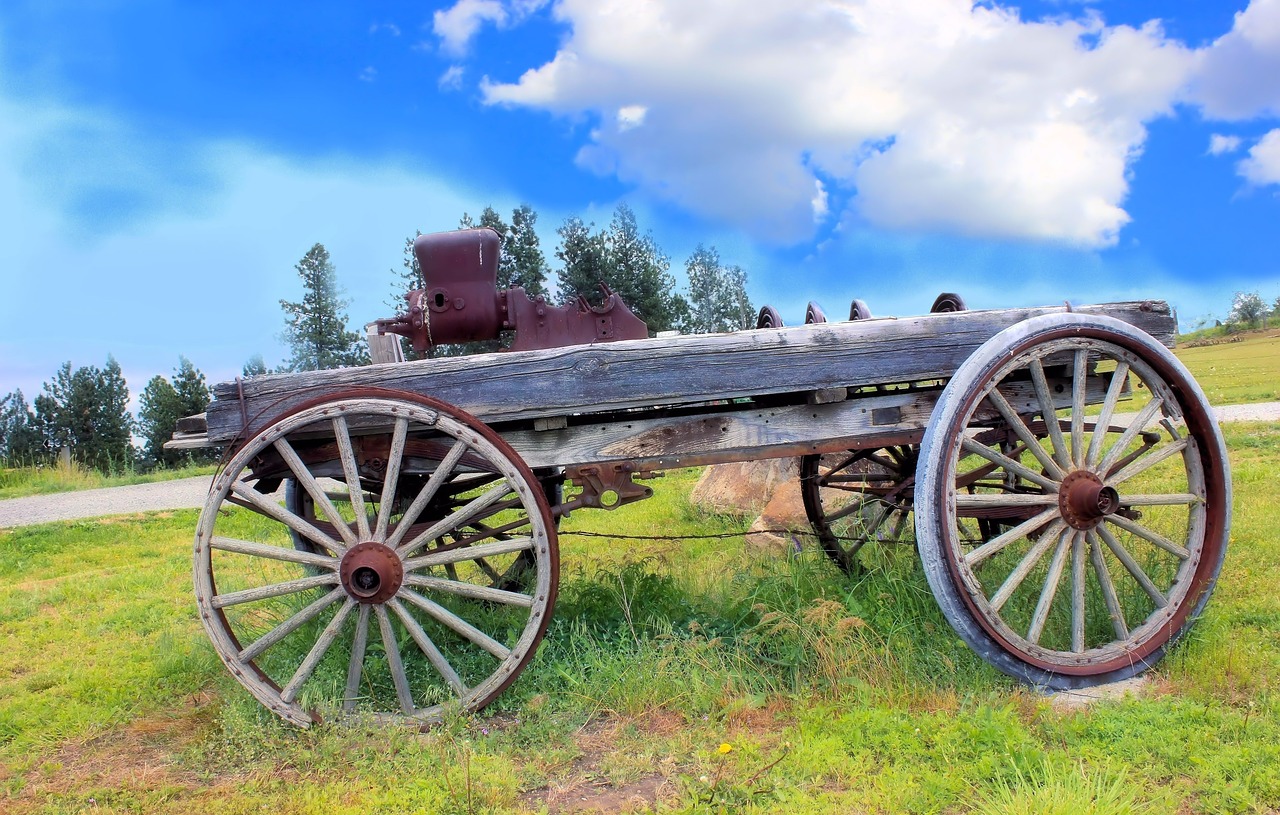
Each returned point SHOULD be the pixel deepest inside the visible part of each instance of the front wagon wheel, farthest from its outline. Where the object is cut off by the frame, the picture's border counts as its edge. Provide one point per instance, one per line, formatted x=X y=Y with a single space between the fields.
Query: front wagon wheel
x=1099 y=454
x=428 y=574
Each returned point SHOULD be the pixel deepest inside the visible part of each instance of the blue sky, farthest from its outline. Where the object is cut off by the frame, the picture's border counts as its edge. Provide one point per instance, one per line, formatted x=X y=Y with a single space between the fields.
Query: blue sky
x=164 y=165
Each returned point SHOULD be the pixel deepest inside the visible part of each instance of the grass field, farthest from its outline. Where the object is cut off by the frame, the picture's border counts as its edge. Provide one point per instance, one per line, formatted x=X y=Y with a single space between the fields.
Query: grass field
x=1234 y=373
x=682 y=675
x=17 y=482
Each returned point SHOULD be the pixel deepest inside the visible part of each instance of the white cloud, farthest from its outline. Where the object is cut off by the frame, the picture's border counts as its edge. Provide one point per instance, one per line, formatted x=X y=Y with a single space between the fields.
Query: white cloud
x=451 y=79
x=630 y=116
x=939 y=114
x=1262 y=167
x=455 y=26
x=1238 y=76
x=369 y=74
x=1220 y=144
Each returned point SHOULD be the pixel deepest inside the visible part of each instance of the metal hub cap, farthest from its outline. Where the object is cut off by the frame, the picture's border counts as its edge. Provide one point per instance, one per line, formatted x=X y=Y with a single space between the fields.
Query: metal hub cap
x=371 y=572
x=1085 y=500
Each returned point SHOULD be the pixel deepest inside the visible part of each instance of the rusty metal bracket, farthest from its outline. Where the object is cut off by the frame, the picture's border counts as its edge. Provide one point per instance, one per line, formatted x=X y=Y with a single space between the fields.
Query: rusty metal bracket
x=607 y=486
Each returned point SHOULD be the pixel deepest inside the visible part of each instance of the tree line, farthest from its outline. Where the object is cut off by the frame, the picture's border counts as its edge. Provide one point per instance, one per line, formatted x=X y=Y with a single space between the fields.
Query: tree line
x=85 y=410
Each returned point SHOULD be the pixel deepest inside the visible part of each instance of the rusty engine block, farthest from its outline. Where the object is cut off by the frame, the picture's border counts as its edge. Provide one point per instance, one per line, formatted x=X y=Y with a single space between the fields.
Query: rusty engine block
x=462 y=303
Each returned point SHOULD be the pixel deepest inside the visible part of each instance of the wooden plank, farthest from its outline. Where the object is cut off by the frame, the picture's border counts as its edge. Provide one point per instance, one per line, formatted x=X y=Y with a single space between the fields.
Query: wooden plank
x=668 y=371
x=741 y=434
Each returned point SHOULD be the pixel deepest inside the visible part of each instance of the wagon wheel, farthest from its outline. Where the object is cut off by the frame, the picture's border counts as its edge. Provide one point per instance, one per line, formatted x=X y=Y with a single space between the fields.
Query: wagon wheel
x=1125 y=505
x=392 y=611
x=769 y=318
x=947 y=302
x=858 y=496
x=448 y=498
x=813 y=313
x=858 y=310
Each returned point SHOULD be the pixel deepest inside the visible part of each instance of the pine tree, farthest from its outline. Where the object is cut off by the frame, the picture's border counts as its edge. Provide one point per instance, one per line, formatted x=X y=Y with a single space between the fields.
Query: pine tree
x=87 y=409
x=163 y=403
x=158 y=414
x=19 y=439
x=582 y=258
x=316 y=327
x=523 y=252
x=717 y=298
x=639 y=272
x=254 y=366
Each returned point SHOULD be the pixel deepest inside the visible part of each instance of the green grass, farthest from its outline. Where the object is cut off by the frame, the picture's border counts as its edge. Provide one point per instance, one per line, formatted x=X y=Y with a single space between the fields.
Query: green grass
x=831 y=695
x=17 y=482
x=1233 y=373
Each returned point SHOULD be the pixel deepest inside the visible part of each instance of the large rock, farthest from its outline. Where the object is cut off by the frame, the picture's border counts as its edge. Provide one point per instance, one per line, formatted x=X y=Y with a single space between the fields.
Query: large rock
x=744 y=487
x=783 y=524
x=769 y=490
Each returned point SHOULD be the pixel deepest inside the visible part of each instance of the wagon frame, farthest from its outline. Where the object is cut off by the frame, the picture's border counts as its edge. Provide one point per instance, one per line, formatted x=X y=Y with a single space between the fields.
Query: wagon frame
x=1064 y=474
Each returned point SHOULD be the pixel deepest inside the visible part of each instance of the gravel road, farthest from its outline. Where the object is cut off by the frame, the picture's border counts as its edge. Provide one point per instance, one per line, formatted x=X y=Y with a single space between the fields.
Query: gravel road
x=188 y=493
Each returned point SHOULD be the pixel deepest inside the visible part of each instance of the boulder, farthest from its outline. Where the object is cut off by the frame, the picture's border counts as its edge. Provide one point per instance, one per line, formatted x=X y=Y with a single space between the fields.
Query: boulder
x=785 y=511
x=744 y=488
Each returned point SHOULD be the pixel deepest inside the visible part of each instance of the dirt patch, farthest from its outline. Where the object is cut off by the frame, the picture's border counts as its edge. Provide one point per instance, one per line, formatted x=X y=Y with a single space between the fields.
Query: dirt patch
x=585 y=785
x=141 y=756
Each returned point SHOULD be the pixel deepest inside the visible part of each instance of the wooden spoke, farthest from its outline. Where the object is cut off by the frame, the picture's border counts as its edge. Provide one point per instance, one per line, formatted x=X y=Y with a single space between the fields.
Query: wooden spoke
x=352 y=472
x=398 y=677
x=313 y=488
x=274 y=590
x=428 y=491
x=458 y=518
x=1131 y=566
x=1049 y=411
x=428 y=648
x=317 y=652
x=1079 y=384
x=1015 y=467
x=276 y=512
x=391 y=479
x=994 y=500
x=850 y=508
x=1176 y=499
x=1019 y=575
x=264 y=550
x=456 y=624
x=1050 y=590
x=998 y=543
x=1150 y=535
x=1146 y=462
x=292 y=624
x=1103 y=574
x=356 y=667
x=1118 y=381
x=1077 y=592
x=485 y=593
x=1130 y=433
x=1019 y=427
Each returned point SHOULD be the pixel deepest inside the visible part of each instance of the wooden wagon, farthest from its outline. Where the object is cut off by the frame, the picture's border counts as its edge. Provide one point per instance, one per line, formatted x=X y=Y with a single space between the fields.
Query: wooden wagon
x=1064 y=477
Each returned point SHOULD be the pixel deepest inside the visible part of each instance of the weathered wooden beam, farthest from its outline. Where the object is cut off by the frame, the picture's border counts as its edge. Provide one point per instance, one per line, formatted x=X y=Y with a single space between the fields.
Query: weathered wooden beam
x=586 y=379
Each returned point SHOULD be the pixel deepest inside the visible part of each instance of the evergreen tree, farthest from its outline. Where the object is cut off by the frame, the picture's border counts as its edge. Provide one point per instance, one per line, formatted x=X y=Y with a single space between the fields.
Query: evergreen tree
x=20 y=442
x=582 y=255
x=163 y=403
x=255 y=366
x=717 y=298
x=316 y=327
x=522 y=253
x=158 y=414
x=87 y=409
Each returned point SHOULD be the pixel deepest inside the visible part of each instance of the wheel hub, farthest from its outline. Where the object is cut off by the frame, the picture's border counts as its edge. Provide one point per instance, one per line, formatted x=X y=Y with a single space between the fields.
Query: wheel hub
x=371 y=572
x=1085 y=500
